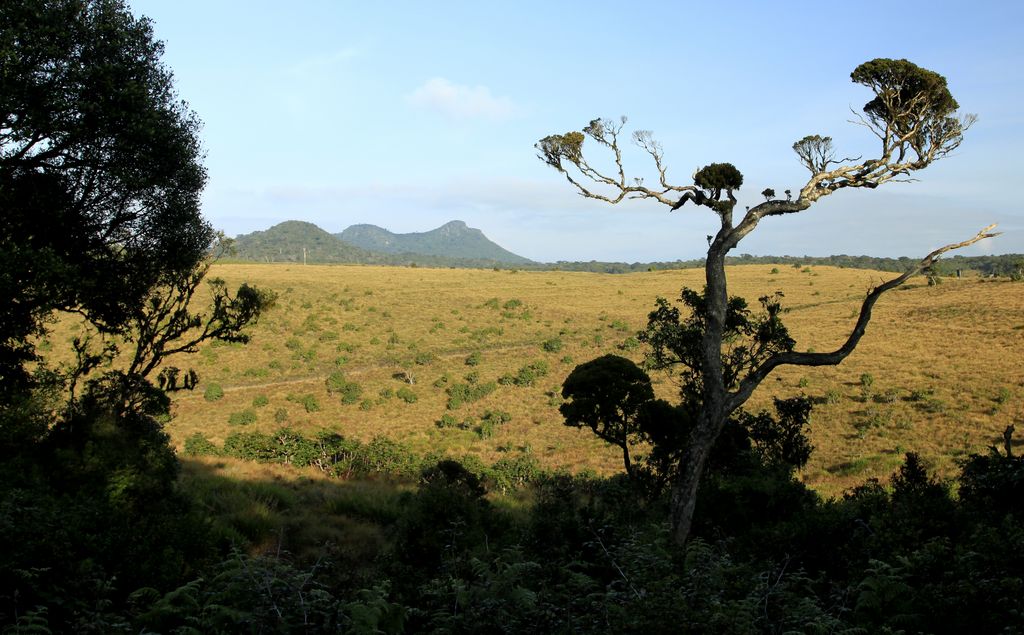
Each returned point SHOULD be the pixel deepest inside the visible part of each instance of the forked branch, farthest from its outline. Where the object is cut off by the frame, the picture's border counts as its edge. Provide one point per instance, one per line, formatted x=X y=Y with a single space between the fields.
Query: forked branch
x=557 y=150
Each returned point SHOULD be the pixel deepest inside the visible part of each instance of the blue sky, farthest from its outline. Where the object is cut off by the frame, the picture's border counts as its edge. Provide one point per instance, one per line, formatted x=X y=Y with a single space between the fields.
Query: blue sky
x=410 y=114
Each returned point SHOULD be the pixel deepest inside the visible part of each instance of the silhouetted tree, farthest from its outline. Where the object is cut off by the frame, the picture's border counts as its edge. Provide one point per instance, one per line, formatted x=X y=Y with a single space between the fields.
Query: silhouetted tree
x=100 y=183
x=915 y=119
x=607 y=394
x=100 y=179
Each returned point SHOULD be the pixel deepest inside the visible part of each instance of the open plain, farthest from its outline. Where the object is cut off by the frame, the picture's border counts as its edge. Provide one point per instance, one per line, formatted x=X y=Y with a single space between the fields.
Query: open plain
x=940 y=371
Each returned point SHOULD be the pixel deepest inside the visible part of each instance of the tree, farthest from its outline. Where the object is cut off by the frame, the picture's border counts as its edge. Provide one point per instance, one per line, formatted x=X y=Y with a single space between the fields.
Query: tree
x=607 y=395
x=100 y=183
x=915 y=119
x=100 y=179
x=100 y=171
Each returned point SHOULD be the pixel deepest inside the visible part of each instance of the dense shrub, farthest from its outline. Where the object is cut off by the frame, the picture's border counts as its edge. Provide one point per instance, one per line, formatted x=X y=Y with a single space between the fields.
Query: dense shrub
x=308 y=401
x=513 y=472
x=199 y=445
x=446 y=421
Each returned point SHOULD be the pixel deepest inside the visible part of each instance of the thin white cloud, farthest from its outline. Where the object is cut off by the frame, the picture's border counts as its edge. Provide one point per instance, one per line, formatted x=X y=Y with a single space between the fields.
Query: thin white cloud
x=461 y=102
x=319 y=66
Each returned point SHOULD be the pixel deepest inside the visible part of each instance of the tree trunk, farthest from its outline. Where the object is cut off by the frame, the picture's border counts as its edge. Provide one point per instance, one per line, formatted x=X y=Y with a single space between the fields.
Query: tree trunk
x=713 y=413
x=687 y=480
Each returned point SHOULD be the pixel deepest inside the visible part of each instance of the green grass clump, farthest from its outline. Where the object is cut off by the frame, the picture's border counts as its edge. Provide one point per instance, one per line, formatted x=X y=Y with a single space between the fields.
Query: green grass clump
x=526 y=376
x=199 y=445
x=350 y=391
x=243 y=418
x=552 y=345
x=406 y=394
x=213 y=392
x=459 y=394
x=308 y=401
x=490 y=422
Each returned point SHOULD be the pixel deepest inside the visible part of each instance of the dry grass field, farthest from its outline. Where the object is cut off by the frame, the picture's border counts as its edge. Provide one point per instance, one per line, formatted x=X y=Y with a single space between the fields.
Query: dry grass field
x=940 y=371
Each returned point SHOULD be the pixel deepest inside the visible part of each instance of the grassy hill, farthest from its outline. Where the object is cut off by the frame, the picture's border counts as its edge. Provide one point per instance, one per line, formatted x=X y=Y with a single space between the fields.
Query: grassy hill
x=298 y=241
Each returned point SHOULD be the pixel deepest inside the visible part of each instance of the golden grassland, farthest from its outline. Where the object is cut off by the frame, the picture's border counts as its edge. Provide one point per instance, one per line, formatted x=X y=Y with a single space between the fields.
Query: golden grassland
x=940 y=370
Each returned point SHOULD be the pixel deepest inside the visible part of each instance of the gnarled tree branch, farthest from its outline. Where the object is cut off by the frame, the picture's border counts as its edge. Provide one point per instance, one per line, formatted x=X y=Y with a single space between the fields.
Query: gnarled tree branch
x=792 y=358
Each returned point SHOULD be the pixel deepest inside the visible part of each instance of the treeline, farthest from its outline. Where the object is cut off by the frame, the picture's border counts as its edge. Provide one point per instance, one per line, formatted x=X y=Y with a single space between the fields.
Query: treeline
x=1009 y=265
x=1005 y=265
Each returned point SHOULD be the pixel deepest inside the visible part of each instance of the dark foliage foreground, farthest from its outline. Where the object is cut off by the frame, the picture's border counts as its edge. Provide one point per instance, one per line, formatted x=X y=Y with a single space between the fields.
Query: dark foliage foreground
x=94 y=537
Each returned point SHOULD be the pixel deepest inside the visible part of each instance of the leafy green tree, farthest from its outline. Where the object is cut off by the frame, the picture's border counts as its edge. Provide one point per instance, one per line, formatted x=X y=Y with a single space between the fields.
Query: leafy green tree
x=913 y=115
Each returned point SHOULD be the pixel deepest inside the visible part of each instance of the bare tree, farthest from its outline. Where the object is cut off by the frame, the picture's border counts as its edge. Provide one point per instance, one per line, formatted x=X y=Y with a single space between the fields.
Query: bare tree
x=912 y=114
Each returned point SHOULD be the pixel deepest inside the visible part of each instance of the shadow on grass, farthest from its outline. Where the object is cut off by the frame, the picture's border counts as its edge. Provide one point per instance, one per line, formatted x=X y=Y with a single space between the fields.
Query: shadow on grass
x=261 y=508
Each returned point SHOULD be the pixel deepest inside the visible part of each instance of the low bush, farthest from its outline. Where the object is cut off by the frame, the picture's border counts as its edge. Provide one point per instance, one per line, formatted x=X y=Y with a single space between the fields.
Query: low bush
x=307 y=401
x=199 y=445
x=490 y=422
x=552 y=345
x=459 y=394
x=514 y=472
x=243 y=418
x=525 y=376
x=350 y=391
x=213 y=392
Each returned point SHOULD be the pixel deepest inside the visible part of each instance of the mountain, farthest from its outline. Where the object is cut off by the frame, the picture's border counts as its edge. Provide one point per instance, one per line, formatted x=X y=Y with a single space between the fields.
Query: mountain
x=451 y=240
x=285 y=242
x=451 y=245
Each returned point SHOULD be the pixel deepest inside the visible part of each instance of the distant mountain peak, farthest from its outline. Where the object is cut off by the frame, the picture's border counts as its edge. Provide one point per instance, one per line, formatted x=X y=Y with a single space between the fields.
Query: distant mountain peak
x=454 y=239
x=452 y=244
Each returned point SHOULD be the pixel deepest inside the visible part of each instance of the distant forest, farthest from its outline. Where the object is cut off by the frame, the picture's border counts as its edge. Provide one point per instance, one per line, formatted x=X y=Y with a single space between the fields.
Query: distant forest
x=1003 y=265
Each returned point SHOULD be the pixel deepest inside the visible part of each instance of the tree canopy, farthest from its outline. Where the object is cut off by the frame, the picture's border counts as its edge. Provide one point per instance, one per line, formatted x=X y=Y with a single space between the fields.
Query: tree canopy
x=100 y=170
x=607 y=394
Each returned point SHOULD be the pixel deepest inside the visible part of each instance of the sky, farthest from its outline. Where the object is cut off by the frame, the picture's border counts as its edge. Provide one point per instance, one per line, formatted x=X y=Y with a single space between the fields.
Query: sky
x=408 y=115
